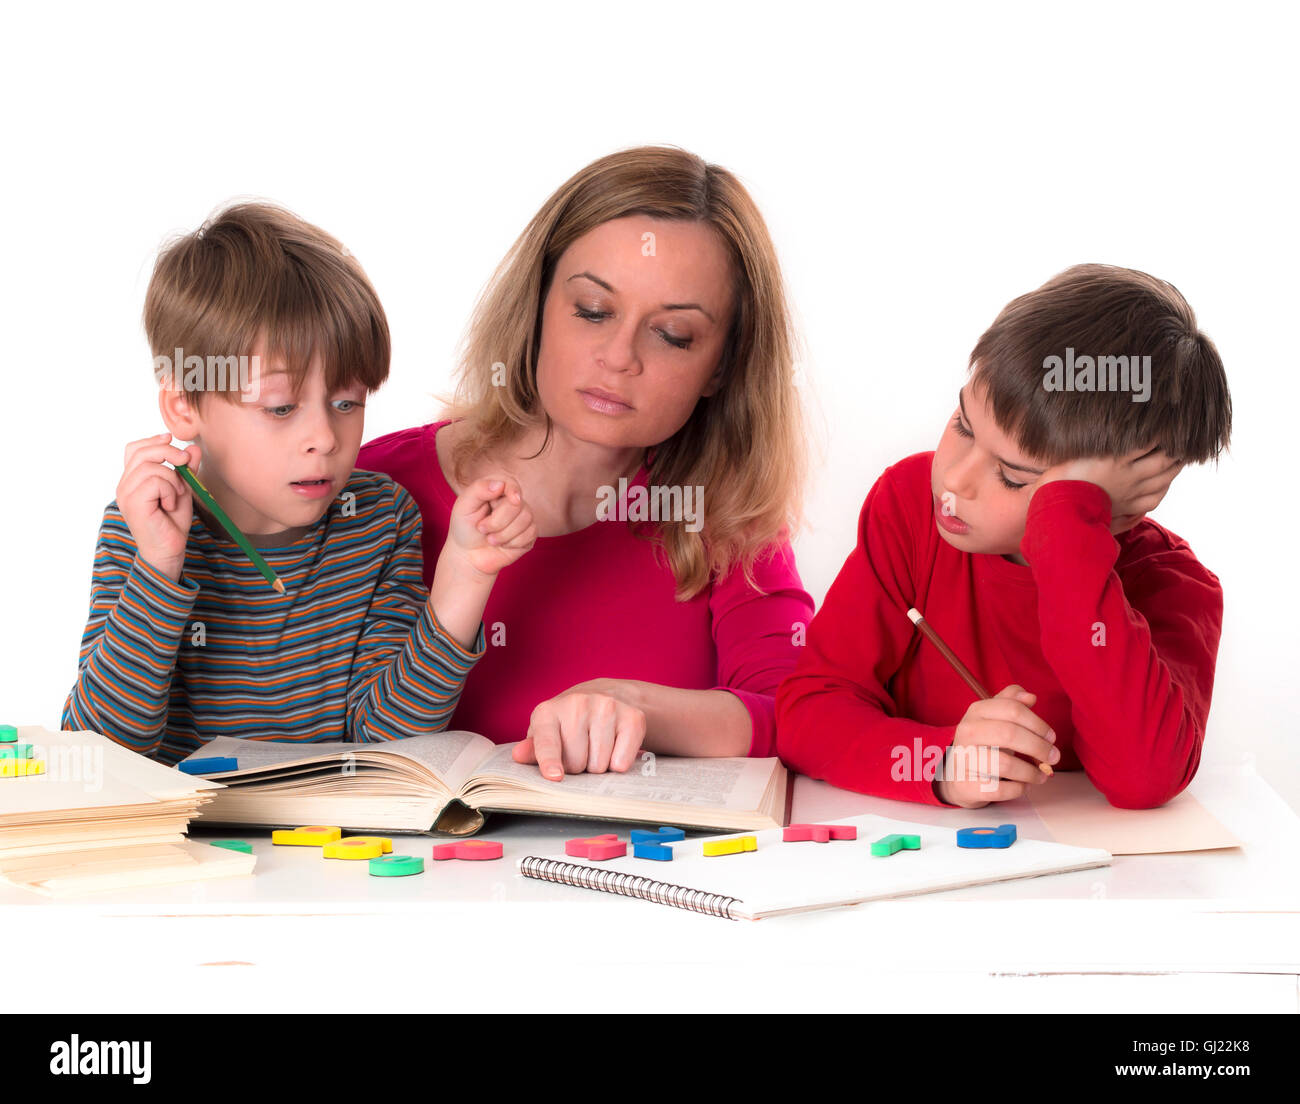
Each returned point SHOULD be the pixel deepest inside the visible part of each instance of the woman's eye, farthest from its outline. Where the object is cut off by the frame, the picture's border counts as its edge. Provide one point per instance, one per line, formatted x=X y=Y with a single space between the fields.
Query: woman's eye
x=345 y=406
x=1008 y=484
x=962 y=431
x=664 y=335
x=280 y=411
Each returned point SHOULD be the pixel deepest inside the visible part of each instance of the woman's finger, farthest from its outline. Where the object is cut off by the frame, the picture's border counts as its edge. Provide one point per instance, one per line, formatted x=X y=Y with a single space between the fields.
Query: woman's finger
x=544 y=731
x=602 y=716
x=629 y=735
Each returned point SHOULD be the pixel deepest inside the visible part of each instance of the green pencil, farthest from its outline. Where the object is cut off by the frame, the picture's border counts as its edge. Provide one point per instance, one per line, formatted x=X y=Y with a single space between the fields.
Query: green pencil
x=205 y=496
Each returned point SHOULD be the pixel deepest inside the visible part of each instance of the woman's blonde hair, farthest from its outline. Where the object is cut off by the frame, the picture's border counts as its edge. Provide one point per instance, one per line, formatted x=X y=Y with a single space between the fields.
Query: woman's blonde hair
x=744 y=444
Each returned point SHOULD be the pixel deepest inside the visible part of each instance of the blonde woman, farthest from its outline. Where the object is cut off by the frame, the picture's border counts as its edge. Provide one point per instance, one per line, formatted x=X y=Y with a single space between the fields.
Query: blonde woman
x=629 y=366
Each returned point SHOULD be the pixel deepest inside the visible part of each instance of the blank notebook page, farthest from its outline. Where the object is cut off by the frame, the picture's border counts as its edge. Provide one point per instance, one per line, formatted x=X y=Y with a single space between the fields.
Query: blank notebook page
x=792 y=877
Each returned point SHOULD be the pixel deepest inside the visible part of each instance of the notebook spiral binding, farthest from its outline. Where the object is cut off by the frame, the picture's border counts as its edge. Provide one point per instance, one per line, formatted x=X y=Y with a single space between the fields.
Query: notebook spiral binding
x=628 y=885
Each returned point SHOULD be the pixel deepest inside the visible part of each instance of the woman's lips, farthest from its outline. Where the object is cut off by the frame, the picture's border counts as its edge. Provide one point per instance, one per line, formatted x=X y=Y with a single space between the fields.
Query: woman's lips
x=950 y=522
x=604 y=402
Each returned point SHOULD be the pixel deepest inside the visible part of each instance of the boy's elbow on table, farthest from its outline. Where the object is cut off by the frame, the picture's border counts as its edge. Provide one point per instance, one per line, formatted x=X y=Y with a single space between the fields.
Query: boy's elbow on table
x=1148 y=793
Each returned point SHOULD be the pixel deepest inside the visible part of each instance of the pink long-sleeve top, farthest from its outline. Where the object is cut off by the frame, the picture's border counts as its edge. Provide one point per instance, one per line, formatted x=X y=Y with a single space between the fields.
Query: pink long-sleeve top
x=597 y=604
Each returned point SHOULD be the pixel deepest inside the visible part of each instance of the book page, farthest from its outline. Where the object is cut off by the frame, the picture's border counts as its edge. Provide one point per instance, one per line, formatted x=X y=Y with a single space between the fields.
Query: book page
x=731 y=783
x=84 y=770
x=448 y=756
x=162 y=781
x=23 y=798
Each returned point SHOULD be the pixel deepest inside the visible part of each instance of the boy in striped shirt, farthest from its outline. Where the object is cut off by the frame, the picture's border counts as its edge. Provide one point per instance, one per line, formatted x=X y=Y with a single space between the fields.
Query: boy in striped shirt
x=185 y=639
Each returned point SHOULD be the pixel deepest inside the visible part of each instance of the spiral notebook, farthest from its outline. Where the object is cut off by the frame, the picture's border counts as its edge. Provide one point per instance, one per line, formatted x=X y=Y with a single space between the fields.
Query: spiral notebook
x=782 y=878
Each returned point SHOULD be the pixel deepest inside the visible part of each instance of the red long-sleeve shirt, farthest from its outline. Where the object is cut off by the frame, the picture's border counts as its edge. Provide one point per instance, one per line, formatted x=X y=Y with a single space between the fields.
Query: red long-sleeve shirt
x=1131 y=712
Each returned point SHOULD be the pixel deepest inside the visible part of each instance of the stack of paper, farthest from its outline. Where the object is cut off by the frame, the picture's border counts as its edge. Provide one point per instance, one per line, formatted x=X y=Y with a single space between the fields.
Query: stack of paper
x=102 y=817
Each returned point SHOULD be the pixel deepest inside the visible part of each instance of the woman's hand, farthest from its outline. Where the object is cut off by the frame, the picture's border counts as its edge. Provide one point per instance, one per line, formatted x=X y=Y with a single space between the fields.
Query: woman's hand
x=594 y=726
x=490 y=525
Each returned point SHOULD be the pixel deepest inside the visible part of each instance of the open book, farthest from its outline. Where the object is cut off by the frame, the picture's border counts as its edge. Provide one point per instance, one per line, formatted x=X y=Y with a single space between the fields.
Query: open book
x=446 y=781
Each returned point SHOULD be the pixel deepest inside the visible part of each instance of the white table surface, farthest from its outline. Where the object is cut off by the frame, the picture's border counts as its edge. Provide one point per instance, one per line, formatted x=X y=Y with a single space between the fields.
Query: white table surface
x=1212 y=931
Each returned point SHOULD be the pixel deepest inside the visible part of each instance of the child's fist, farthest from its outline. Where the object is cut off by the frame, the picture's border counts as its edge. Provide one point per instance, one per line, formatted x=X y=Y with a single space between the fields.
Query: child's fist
x=491 y=527
x=986 y=749
x=156 y=502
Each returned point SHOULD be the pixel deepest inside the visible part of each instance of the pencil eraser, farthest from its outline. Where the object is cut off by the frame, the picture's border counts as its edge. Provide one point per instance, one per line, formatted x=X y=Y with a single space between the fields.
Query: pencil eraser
x=819 y=833
x=660 y=852
x=234 y=845
x=596 y=847
x=353 y=847
x=1004 y=835
x=736 y=845
x=311 y=835
x=396 y=866
x=214 y=765
x=659 y=835
x=474 y=850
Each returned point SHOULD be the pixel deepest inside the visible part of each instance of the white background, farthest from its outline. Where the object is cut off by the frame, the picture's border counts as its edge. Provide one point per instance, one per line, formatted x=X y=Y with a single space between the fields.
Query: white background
x=918 y=166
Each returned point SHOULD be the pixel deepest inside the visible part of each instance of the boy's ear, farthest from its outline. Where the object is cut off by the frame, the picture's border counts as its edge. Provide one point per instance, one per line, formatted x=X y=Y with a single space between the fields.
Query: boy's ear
x=178 y=413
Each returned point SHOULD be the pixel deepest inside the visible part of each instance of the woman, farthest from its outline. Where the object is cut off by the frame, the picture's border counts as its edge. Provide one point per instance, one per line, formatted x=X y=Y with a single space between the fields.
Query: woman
x=630 y=367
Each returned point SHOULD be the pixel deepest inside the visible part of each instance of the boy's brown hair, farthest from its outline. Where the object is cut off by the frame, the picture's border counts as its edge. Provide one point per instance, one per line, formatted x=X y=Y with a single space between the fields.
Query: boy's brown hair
x=1103 y=321
x=255 y=270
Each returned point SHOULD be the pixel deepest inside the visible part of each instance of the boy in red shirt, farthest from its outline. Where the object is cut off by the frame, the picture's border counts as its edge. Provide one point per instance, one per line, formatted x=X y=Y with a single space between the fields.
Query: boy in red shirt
x=1023 y=540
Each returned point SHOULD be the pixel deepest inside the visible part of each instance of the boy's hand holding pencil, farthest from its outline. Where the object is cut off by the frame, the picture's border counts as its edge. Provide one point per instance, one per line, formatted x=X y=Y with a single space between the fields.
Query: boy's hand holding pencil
x=1003 y=725
x=991 y=726
x=156 y=503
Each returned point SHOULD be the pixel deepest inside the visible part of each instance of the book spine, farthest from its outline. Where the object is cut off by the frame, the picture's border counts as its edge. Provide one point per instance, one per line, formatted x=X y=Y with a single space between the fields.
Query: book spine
x=628 y=885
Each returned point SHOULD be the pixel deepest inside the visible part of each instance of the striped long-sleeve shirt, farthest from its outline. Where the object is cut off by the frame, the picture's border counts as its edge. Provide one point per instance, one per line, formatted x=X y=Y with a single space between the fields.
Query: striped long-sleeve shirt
x=351 y=651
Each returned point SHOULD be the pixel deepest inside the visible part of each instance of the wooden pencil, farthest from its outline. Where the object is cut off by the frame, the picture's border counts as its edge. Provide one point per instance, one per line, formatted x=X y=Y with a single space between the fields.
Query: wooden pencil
x=205 y=496
x=957 y=665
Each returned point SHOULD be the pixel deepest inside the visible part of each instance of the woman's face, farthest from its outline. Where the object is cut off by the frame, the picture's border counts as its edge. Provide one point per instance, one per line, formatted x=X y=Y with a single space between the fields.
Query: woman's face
x=633 y=329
